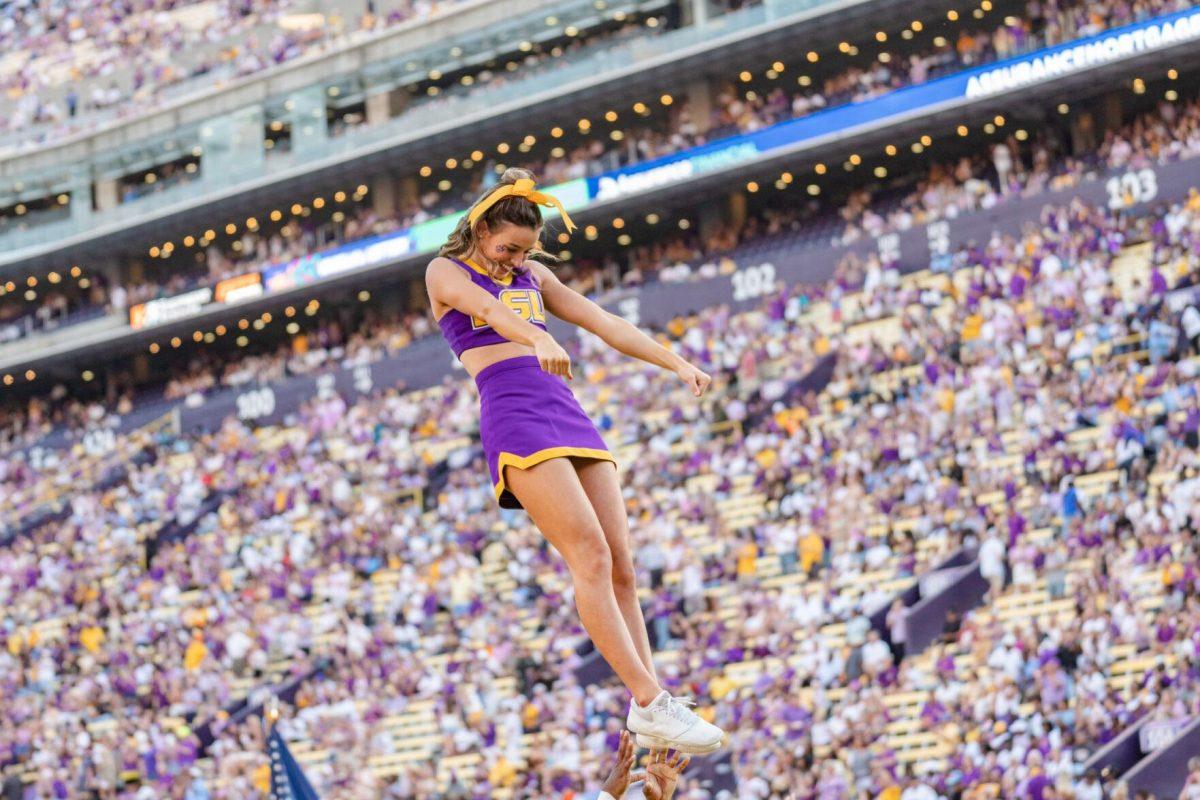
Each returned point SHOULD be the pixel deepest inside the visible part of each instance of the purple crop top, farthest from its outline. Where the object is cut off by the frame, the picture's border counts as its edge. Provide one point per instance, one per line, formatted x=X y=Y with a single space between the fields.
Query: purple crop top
x=522 y=294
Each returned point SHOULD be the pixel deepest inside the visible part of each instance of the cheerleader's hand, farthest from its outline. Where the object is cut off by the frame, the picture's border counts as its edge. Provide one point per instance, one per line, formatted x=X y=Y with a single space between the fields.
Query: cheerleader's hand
x=696 y=379
x=552 y=357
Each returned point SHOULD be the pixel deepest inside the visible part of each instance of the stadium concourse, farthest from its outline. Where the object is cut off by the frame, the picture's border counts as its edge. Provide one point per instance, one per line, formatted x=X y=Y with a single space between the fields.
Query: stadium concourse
x=738 y=105
x=1015 y=407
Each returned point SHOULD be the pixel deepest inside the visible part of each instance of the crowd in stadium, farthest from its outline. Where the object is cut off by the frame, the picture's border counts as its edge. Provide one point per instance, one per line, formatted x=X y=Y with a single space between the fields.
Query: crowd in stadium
x=222 y=42
x=1037 y=404
x=312 y=513
x=52 y=50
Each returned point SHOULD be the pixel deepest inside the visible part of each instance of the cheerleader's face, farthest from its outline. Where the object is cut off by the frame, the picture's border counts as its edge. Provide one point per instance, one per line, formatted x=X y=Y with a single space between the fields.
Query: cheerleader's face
x=507 y=246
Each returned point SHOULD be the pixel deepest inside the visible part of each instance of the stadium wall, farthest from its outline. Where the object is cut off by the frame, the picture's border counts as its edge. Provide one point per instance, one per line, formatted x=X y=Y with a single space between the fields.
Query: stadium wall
x=926 y=618
x=912 y=595
x=1164 y=772
x=1120 y=755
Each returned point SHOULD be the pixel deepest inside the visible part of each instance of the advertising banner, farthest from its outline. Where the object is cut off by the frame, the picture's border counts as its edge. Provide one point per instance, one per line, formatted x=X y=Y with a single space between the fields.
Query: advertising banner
x=1157 y=735
x=1038 y=67
x=360 y=254
x=169 y=309
x=242 y=287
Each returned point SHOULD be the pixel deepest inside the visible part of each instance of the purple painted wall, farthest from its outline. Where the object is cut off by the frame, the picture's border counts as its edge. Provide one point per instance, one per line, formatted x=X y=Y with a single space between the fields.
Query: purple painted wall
x=1119 y=755
x=1164 y=772
x=926 y=618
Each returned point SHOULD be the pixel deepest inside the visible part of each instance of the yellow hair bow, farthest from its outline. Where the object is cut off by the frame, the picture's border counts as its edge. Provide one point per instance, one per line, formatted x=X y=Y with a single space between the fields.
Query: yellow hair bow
x=522 y=188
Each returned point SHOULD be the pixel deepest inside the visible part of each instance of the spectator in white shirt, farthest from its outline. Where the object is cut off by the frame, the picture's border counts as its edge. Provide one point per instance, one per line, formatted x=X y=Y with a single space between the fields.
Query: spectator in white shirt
x=991 y=564
x=1088 y=787
x=917 y=790
x=876 y=655
x=1189 y=321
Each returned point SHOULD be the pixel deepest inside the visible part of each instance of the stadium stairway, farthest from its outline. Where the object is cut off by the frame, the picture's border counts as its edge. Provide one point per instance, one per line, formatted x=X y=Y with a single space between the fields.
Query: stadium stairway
x=180 y=527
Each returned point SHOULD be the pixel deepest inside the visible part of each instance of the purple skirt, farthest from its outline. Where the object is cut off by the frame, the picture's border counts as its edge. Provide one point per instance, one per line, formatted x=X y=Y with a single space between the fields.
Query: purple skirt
x=527 y=416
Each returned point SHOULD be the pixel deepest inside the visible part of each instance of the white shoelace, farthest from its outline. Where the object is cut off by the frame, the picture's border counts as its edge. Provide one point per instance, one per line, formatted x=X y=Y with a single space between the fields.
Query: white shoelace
x=678 y=708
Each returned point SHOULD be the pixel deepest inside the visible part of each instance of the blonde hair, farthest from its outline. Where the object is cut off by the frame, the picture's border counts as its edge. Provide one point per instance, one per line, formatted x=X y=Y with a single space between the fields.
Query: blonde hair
x=513 y=210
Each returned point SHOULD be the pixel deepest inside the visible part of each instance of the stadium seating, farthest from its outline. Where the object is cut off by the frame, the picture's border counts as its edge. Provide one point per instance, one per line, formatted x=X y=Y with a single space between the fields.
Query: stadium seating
x=335 y=581
x=866 y=445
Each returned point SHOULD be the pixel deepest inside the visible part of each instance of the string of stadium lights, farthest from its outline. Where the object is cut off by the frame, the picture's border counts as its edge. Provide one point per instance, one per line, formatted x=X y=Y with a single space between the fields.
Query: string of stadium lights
x=298 y=210
x=919 y=146
x=248 y=326
x=20 y=209
x=53 y=278
x=777 y=68
x=245 y=325
x=641 y=108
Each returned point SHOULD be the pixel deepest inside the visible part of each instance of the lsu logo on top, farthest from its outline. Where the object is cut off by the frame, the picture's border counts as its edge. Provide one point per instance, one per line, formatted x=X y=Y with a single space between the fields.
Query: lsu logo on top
x=527 y=303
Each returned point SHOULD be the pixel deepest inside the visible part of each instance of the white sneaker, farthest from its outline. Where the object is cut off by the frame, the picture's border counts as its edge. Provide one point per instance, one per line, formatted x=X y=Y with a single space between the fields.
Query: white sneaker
x=668 y=723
